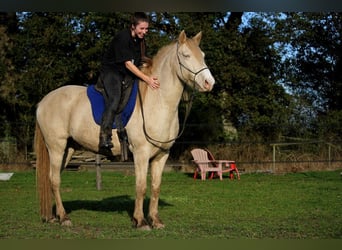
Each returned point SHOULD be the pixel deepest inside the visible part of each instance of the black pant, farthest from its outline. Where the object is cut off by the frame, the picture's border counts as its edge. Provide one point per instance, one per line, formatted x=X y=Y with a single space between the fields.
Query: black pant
x=117 y=88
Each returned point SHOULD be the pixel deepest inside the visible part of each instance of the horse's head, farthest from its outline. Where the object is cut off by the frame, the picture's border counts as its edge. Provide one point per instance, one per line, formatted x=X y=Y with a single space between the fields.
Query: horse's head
x=192 y=67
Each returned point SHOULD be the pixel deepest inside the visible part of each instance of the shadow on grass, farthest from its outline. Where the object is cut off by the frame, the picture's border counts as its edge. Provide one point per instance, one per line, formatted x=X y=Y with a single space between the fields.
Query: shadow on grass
x=122 y=203
x=189 y=175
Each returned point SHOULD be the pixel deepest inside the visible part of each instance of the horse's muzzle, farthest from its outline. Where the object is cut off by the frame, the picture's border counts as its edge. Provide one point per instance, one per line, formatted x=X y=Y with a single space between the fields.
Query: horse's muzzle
x=208 y=86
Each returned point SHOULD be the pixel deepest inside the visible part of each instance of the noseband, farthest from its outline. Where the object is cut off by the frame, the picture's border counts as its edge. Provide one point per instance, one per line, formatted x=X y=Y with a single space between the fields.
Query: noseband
x=181 y=65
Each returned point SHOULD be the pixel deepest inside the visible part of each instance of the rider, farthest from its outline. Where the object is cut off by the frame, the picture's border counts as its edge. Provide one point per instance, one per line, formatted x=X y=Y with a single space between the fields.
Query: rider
x=120 y=67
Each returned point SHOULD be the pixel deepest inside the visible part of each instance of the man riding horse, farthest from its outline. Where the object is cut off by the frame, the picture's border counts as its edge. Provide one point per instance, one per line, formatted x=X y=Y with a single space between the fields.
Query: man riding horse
x=120 y=68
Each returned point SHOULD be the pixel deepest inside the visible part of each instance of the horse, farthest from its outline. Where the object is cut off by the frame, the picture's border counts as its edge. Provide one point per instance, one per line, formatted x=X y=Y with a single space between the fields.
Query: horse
x=64 y=119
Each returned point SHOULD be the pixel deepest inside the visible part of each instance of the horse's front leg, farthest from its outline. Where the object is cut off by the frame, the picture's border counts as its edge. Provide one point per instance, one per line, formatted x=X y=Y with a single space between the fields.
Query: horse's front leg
x=157 y=167
x=141 y=168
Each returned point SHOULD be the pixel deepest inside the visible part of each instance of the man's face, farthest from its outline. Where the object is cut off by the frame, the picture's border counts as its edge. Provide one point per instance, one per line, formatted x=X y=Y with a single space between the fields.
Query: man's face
x=140 y=29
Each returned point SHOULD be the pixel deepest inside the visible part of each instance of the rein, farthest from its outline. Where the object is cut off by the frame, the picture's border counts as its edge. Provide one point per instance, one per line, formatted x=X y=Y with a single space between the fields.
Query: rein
x=187 y=107
x=154 y=141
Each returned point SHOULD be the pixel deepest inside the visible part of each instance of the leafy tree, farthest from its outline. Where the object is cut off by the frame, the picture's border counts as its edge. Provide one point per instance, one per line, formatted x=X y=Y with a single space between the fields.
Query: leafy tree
x=312 y=73
x=243 y=62
x=8 y=76
x=276 y=73
x=46 y=51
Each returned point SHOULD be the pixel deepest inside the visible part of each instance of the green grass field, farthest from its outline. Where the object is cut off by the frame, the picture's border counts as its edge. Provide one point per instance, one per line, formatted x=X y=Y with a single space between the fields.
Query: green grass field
x=259 y=206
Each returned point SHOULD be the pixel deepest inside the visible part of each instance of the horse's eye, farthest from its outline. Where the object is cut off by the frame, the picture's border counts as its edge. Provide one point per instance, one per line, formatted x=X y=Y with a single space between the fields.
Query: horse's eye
x=186 y=55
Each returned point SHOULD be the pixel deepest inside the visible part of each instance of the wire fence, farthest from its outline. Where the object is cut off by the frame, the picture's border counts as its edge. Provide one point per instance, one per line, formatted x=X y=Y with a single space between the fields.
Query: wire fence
x=275 y=157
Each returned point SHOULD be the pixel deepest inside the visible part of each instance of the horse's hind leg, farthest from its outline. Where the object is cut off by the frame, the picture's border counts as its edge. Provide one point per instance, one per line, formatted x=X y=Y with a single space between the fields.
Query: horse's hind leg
x=57 y=162
x=157 y=167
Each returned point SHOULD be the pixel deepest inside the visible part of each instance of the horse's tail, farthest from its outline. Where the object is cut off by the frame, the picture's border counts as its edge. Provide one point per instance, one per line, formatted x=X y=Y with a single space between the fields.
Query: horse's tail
x=42 y=175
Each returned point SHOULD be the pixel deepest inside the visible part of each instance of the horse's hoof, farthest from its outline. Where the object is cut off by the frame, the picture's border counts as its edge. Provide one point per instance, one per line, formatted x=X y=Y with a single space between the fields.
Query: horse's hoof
x=66 y=222
x=51 y=220
x=144 y=228
x=143 y=225
x=158 y=225
x=156 y=222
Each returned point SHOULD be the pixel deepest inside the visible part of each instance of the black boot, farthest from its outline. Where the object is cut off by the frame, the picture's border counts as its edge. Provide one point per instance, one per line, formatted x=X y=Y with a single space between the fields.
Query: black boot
x=105 y=141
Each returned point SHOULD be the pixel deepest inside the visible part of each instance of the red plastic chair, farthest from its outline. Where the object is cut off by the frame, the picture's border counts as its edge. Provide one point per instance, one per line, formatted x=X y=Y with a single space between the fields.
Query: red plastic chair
x=205 y=163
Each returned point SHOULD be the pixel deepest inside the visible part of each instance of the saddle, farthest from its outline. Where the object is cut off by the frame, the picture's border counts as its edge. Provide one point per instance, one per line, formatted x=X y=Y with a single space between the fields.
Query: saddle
x=97 y=103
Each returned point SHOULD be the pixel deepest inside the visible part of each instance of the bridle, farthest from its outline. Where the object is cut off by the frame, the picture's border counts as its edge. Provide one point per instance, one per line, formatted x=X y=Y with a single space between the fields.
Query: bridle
x=188 y=106
x=181 y=66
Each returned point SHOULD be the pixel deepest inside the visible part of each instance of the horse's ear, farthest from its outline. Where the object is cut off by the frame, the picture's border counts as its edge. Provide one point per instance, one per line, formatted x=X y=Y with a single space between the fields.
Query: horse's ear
x=198 y=37
x=182 y=37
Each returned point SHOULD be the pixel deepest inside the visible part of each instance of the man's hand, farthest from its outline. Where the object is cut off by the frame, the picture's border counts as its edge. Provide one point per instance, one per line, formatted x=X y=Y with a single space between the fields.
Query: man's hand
x=153 y=82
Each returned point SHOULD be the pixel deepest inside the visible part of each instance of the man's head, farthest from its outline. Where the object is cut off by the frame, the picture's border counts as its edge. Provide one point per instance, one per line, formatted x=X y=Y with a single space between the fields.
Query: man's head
x=139 y=24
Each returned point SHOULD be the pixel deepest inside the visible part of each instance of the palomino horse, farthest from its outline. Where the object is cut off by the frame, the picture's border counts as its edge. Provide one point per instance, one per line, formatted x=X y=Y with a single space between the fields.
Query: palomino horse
x=64 y=117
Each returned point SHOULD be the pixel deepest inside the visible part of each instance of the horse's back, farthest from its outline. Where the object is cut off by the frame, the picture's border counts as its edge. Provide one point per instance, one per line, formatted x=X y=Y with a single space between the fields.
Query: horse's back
x=55 y=109
x=65 y=93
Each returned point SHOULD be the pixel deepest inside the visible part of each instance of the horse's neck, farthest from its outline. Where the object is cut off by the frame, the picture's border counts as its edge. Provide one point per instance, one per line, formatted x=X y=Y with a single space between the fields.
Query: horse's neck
x=171 y=88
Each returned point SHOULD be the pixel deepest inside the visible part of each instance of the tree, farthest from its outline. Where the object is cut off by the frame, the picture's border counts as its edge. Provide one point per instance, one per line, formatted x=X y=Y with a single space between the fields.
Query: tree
x=43 y=51
x=312 y=73
x=8 y=76
x=276 y=73
x=243 y=61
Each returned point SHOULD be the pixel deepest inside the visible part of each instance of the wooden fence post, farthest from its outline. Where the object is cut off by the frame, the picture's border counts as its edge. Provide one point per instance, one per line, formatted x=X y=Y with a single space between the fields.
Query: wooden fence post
x=98 y=172
x=274 y=157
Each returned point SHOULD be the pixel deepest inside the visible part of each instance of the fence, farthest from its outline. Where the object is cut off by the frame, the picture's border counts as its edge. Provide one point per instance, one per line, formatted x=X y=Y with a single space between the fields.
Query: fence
x=329 y=160
x=277 y=157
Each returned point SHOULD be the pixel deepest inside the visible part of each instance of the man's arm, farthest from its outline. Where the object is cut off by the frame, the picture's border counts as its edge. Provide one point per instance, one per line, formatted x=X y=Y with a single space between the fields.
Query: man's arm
x=151 y=81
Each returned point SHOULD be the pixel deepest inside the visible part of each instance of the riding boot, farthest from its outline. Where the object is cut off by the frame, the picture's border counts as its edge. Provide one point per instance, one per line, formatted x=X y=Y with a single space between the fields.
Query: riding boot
x=105 y=141
x=105 y=138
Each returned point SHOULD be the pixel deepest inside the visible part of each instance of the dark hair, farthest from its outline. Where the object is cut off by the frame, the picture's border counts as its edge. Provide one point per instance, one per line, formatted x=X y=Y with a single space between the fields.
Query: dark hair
x=138 y=17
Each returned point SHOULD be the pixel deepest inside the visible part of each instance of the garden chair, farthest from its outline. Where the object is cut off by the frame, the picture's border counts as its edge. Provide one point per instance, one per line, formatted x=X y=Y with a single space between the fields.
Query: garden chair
x=205 y=163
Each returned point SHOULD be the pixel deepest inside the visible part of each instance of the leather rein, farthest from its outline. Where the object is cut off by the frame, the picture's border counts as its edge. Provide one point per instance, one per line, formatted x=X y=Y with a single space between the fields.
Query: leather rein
x=188 y=106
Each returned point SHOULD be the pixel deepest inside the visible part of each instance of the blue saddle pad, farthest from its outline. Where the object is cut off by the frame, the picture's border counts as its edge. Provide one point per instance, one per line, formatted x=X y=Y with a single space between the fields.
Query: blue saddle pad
x=98 y=104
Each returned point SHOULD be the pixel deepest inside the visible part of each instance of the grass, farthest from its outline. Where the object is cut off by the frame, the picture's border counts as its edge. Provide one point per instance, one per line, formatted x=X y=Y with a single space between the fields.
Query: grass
x=259 y=206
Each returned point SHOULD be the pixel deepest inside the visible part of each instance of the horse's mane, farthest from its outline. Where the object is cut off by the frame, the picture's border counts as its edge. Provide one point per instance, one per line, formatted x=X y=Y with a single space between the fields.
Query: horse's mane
x=147 y=66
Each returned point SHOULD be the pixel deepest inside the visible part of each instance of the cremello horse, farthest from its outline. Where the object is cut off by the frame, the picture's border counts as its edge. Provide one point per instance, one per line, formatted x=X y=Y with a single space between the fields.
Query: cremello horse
x=64 y=117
